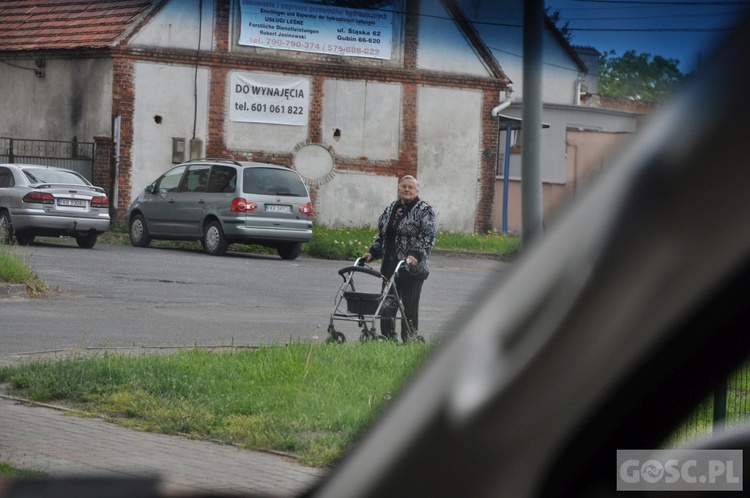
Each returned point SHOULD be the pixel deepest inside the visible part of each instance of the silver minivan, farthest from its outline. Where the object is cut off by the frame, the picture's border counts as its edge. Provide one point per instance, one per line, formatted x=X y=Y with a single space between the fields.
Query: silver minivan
x=221 y=202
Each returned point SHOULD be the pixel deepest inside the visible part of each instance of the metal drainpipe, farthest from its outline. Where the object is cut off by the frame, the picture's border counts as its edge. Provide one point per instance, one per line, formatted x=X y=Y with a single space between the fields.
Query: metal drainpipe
x=506 y=180
x=506 y=168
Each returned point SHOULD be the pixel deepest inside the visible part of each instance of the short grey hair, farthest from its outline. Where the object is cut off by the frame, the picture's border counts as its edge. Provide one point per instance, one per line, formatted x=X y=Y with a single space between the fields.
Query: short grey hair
x=409 y=177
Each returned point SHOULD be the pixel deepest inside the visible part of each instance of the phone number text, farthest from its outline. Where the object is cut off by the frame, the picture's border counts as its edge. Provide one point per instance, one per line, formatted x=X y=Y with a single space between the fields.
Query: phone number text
x=318 y=47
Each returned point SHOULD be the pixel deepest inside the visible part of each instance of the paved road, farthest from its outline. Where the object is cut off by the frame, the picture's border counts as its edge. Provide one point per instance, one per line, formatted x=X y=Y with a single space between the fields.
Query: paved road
x=120 y=296
x=125 y=297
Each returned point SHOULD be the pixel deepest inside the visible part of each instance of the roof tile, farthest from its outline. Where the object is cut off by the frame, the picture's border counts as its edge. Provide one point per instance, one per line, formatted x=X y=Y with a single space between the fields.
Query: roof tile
x=51 y=24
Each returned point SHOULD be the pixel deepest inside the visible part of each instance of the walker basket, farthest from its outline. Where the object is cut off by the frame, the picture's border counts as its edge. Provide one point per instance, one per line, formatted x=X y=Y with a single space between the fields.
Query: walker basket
x=362 y=303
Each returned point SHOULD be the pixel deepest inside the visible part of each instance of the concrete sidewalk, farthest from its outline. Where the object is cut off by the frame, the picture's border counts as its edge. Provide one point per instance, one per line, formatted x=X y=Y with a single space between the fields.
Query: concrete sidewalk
x=46 y=439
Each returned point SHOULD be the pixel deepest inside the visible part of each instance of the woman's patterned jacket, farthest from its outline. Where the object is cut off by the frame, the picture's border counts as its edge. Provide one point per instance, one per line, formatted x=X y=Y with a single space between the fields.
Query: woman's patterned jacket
x=412 y=229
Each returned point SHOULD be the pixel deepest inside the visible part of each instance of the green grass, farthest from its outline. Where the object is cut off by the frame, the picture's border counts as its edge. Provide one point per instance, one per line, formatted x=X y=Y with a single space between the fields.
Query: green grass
x=9 y=471
x=14 y=270
x=339 y=243
x=311 y=400
x=506 y=245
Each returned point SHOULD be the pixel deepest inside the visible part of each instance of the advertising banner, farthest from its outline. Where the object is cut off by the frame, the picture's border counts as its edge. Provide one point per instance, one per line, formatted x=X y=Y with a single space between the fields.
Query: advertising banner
x=313 y=27
x=273 y=99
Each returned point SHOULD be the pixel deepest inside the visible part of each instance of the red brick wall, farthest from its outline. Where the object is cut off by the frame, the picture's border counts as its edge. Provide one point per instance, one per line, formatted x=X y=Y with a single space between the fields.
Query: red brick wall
x=123 y=101
x=102 y=174
x=102 y=154
x=489 y=146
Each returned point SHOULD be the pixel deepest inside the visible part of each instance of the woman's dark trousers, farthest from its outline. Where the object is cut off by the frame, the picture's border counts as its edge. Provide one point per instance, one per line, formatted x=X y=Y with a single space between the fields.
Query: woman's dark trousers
x=410 y=290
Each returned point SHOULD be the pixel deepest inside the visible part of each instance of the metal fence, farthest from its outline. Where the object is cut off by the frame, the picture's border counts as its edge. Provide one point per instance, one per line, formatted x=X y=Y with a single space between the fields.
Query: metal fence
x=74 y=155
x=728 y=408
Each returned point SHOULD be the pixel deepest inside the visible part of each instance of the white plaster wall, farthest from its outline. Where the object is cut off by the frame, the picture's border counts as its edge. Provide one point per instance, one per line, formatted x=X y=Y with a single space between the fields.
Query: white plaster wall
x=559 y=74
x=166 y=91
x=178 y=25
x=442 y=46
x=73 y=99
x=449 y=138
x=260 y=136
x=368 y=116
x=354 y=199
x=561 y=118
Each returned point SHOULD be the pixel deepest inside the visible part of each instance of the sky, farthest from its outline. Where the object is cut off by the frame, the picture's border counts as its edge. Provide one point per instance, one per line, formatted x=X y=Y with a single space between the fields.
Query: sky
x=673 y=29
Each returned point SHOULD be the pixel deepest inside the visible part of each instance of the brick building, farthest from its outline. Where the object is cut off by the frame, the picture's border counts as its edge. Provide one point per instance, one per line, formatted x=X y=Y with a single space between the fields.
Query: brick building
x=352 y=97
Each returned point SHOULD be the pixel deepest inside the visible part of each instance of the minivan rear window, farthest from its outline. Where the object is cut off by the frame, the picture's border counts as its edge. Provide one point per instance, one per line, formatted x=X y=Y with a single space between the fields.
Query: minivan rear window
x=268 y=181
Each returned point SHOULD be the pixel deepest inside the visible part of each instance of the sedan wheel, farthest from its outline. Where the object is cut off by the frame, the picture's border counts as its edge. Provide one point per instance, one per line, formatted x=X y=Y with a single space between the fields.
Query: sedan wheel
x=139 y=236
x=6 y=229
x=214 y=241
x=87 y=241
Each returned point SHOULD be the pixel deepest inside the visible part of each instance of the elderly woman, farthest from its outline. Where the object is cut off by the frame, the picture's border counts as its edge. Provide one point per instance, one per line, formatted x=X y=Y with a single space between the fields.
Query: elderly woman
x=406 y=231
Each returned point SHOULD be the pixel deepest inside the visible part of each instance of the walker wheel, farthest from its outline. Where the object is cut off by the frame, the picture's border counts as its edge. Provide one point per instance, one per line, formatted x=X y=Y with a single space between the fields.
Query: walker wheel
x=413 y=338
x=371 y=335
x=336 y=336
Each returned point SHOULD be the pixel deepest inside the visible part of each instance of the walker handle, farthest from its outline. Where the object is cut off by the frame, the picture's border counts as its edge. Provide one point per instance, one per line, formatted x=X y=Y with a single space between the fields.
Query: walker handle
x=360 y=269
x=403 y=262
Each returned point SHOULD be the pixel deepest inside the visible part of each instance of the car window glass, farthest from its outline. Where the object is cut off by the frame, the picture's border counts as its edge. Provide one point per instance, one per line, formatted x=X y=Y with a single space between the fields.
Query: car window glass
x=196 y=178
x=39 y=175
x=6 y=178
x=268 y=181
x=171 y=180
x=222 y=179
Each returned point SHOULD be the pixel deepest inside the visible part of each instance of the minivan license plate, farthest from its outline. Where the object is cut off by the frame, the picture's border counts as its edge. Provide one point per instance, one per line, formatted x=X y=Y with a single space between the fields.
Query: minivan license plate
x=275 y=208
x=72 y=202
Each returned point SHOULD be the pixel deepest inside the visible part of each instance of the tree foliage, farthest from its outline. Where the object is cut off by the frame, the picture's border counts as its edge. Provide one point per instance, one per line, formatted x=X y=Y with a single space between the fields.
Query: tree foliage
x=554 y=16
x=638 y=76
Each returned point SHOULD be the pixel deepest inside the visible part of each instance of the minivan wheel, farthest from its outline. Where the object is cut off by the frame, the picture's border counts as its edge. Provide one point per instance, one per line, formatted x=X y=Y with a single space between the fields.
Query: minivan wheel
x=214 y=241
x=23 y=239
x=290 y=251
x=139 y=236
x=87 y=240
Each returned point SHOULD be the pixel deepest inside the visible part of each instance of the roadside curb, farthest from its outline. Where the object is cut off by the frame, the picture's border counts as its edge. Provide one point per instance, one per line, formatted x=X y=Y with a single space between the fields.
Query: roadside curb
x=13 y=290
x=474 y=254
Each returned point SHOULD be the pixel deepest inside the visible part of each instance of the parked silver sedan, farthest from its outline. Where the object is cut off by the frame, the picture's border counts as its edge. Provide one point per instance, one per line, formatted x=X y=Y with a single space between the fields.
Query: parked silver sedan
x=47 y=201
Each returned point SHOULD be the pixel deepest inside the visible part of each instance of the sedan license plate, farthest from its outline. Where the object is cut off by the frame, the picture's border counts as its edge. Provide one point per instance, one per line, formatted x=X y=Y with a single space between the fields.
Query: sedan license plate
x=276 y=208
x=72 y=202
